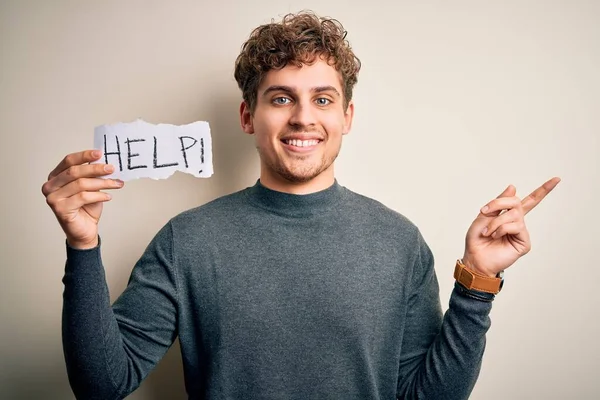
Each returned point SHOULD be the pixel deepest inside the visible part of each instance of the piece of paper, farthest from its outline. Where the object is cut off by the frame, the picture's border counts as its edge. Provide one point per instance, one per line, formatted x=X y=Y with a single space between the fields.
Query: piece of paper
x=142 y=150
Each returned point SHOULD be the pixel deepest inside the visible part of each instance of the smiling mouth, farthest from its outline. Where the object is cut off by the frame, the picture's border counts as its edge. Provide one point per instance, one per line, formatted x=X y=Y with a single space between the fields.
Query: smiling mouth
x=301 y=143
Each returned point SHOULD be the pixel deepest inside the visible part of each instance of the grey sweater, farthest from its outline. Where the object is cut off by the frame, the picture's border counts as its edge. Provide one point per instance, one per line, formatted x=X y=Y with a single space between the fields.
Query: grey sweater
x=277 y=296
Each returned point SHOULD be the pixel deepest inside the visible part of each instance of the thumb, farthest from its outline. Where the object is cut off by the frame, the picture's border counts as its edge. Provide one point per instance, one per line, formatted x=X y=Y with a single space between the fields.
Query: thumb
x=508 y=192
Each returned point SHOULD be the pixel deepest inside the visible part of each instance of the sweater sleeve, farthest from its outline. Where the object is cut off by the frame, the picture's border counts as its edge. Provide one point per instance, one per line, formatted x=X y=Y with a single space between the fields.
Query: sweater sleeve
x=441 y=356
x=110 y=350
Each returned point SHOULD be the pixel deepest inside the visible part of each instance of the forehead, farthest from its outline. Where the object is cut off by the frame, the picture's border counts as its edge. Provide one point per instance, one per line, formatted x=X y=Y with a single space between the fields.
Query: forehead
x=303 y=78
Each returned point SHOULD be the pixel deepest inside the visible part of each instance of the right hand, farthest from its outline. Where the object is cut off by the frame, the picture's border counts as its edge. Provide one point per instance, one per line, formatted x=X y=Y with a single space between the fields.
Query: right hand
x=73 y=193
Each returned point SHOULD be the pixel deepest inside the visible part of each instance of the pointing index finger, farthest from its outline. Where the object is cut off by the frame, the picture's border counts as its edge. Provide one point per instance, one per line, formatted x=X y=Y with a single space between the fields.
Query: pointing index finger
x=538 y=194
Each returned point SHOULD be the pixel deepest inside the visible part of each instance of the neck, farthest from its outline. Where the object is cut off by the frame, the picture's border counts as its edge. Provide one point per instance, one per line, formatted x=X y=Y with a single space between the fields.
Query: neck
x=276 y=182
x=292 y=205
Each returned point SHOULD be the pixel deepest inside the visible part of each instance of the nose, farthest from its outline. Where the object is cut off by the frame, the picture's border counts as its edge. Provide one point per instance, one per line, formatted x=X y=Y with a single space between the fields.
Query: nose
x=302 y=115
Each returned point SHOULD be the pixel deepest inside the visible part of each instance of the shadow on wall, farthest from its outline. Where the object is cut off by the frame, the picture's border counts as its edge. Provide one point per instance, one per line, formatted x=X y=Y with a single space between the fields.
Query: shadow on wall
x=32 y=382
x=166 y=381
x=233 y=156
x=235 y=163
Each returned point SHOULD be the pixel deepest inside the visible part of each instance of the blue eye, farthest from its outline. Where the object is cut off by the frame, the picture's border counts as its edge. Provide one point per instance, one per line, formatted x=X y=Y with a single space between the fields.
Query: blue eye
x=322 y=101
x=281 y=101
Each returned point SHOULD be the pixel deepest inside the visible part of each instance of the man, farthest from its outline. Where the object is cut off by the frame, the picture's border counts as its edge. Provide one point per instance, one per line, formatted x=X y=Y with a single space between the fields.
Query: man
x=295 y=288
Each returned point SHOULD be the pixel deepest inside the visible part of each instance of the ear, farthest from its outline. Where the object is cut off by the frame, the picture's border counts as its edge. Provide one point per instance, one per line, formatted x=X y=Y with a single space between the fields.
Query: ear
x=348 y=117
x=246 y=119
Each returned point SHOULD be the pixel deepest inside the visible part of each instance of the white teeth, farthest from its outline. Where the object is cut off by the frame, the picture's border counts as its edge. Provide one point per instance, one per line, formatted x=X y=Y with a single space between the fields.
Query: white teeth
x=302 y=143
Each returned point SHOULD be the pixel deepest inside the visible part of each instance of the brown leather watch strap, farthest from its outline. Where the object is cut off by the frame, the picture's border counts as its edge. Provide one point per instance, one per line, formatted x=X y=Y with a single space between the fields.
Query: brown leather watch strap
x=472 y=280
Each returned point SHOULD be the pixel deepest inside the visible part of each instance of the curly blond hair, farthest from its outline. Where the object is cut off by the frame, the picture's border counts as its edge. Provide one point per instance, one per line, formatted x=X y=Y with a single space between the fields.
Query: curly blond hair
x=298 y=39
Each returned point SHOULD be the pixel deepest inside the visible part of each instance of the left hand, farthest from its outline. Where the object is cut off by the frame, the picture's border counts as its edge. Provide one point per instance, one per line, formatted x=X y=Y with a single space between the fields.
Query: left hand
x=498 y=237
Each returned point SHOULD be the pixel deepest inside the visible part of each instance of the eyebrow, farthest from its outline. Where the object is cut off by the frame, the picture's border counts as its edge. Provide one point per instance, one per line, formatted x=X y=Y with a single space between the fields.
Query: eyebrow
x=289 y=89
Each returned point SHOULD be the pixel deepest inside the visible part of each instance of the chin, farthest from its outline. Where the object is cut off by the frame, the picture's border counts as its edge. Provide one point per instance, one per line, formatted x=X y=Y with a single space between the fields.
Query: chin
x=295 y=177
x=302 y=169
x=302 y=174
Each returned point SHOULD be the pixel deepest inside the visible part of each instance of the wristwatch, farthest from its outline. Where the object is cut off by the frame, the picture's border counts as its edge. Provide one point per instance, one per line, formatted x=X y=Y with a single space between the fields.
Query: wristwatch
x=472 y=280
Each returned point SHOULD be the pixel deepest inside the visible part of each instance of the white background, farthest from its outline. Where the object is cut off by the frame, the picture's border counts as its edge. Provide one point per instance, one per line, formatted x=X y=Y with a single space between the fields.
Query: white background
x=456 y=100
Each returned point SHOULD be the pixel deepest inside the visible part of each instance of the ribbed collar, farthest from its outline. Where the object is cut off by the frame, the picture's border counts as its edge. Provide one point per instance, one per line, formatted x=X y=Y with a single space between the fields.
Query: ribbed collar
x=295 y=205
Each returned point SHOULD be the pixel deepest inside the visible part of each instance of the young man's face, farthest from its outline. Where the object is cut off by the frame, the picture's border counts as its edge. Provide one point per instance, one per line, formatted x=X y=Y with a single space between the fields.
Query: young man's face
x=299 y=120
